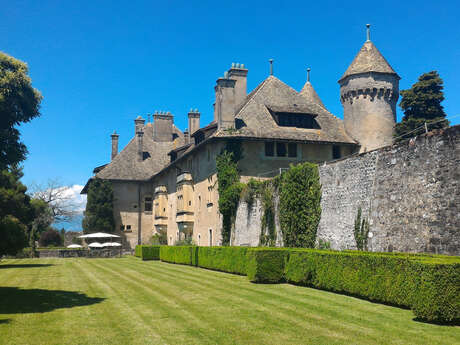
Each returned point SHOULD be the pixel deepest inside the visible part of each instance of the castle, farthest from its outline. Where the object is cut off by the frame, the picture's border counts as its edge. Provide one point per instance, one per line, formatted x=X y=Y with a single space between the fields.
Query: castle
x=165 y=180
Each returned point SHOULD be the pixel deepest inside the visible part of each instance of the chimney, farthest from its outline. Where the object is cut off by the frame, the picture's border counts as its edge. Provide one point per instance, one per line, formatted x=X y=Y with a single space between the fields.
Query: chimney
x=138 y=124
x=114 y=137
x=239 y=73
x=193 y=120
x=186 y=137
x=224 y=109
x=140 y=145
x=162 y=126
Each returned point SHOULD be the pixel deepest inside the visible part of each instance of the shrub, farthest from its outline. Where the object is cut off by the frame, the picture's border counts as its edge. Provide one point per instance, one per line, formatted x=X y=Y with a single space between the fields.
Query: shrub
x=225 y=259
x=186 y=255
x=146 y=252
x=429 y=286
x=361 y=230
x=50 y=237
x=266 y=265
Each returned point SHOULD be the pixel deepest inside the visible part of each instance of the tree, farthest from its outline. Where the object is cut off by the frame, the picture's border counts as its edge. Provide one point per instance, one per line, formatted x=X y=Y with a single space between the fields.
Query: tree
x=58 y=198
x=50 y=237
x=42 y=220
x=422 y=103
x=16 y=212
x=19 y=103
x=98 y=216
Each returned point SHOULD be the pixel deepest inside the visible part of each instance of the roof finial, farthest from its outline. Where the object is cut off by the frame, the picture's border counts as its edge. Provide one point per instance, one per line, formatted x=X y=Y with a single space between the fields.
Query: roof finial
x=271 y=66
x=308 y=74
x=368 y=32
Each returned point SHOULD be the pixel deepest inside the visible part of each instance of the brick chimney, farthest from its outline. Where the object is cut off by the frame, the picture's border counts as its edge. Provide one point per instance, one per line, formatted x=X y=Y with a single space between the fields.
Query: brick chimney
x=239 y=73
x=162 y=126
x=224 y=109
x=114 y=137
x=193 y=120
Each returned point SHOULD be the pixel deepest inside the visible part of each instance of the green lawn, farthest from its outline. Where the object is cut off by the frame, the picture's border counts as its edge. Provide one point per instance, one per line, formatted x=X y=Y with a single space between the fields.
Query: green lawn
x=129 y=301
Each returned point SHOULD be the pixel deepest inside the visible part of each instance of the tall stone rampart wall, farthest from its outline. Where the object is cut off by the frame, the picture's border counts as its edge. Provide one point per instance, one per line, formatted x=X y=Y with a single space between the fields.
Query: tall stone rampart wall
x=409 y=192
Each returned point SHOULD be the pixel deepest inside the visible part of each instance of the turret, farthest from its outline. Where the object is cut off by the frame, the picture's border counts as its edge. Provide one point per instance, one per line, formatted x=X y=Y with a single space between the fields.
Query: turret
x=309 y=93
x=369 y=91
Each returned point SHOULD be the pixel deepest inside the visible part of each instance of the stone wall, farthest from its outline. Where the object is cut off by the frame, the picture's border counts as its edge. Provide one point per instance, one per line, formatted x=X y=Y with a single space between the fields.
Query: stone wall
x=409 y=192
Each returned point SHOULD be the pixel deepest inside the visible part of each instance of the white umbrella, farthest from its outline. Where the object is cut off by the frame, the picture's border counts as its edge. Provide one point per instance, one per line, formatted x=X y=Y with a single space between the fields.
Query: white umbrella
x=98 y=235
x=74 y=246
x=95 y=245
x=111 y=244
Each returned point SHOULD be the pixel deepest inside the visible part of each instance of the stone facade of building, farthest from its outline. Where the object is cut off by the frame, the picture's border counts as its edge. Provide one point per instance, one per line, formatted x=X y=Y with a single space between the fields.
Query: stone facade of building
x=165 y=180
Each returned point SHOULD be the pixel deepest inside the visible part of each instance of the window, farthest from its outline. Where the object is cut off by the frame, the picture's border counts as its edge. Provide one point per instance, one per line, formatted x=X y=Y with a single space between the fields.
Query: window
x=210 y=237
x=292 y=150
x=335 y=152
x=128 y=227
x=269 y=149
x=122 y=228
x=295 y=120
x=281 y=149
x=134 y=205
x=148 y=204
x=190 y=203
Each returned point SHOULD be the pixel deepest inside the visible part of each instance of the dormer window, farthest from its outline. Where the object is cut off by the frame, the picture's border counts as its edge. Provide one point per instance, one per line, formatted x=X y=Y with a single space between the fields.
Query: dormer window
x=294 y=116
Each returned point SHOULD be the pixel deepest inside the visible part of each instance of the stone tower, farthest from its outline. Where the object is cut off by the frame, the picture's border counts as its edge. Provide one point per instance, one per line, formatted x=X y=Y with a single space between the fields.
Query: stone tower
x=369 y=90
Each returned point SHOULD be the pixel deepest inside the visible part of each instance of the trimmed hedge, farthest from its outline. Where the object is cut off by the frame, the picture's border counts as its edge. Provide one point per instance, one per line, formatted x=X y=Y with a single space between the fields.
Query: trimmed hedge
x=266 y=265
x=186 y=255
x=147 y=252
x=429 y=286
x=225 y=259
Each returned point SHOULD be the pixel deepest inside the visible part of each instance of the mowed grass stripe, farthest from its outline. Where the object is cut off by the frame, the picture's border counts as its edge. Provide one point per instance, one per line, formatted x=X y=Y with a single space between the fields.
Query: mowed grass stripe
x=334 y=309
x=196 y=307
x=118 y=311
x=170 y=305
x=382 y=318
x=249 y=297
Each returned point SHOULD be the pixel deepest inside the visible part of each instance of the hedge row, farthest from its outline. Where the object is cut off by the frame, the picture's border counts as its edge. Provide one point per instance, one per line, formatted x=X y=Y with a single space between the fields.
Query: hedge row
x=186 y=255
x=225 y=259
x=146 y=252
x=430 y=286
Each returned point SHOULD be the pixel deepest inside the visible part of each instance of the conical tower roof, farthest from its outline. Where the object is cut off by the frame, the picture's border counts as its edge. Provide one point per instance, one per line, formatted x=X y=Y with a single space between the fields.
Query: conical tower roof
x=309 y=93
x=369 y=59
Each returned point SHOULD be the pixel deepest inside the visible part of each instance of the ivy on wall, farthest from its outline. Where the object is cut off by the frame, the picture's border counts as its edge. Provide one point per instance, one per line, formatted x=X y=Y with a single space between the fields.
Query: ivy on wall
x=229 y=186
x=299 y=206
x=300 y=209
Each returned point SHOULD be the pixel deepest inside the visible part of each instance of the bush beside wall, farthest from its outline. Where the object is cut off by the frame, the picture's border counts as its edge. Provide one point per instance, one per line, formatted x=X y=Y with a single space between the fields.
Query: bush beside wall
x=429 y=286
x=186 y=255
x=266 y=265
x=225 y=259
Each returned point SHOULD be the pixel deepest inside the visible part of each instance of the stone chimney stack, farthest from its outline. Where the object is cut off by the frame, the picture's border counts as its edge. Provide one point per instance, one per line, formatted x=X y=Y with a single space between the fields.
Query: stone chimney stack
x=193 y=120
x=114 y=137
x=186 y=136
x=138 y=124
x=140 y=145
x=162 y=126
x=224 y=109
x=239 y=73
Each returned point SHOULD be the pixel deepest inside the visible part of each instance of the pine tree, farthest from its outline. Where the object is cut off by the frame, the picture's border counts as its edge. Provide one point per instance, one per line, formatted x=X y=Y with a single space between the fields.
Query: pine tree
x=422 y=103
x=99 y=208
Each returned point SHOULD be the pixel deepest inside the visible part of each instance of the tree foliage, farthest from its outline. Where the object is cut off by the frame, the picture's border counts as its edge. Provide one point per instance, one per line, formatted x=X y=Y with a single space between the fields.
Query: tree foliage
x=16 y=212
x=98 y=216
x=19 y=103
x=422 y=103
x=50 y=237
x=300 y=209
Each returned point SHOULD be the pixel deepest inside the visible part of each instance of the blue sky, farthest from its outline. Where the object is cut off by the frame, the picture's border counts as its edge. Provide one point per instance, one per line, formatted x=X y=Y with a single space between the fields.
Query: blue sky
x=99 y=64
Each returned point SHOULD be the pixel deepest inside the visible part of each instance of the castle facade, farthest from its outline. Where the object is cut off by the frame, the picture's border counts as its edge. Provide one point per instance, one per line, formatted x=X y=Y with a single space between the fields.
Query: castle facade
x=165 y=180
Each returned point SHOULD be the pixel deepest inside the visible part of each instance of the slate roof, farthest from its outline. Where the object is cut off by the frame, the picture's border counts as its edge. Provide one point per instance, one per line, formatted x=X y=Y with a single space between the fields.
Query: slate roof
x=310 y=94
x=368 y=59
x=272 y=93
x=125 y=165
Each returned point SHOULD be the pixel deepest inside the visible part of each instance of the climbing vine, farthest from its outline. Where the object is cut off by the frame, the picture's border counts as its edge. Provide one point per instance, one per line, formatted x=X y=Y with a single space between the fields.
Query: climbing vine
x=300 y=209
x=361 y=231
x=229 y=186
